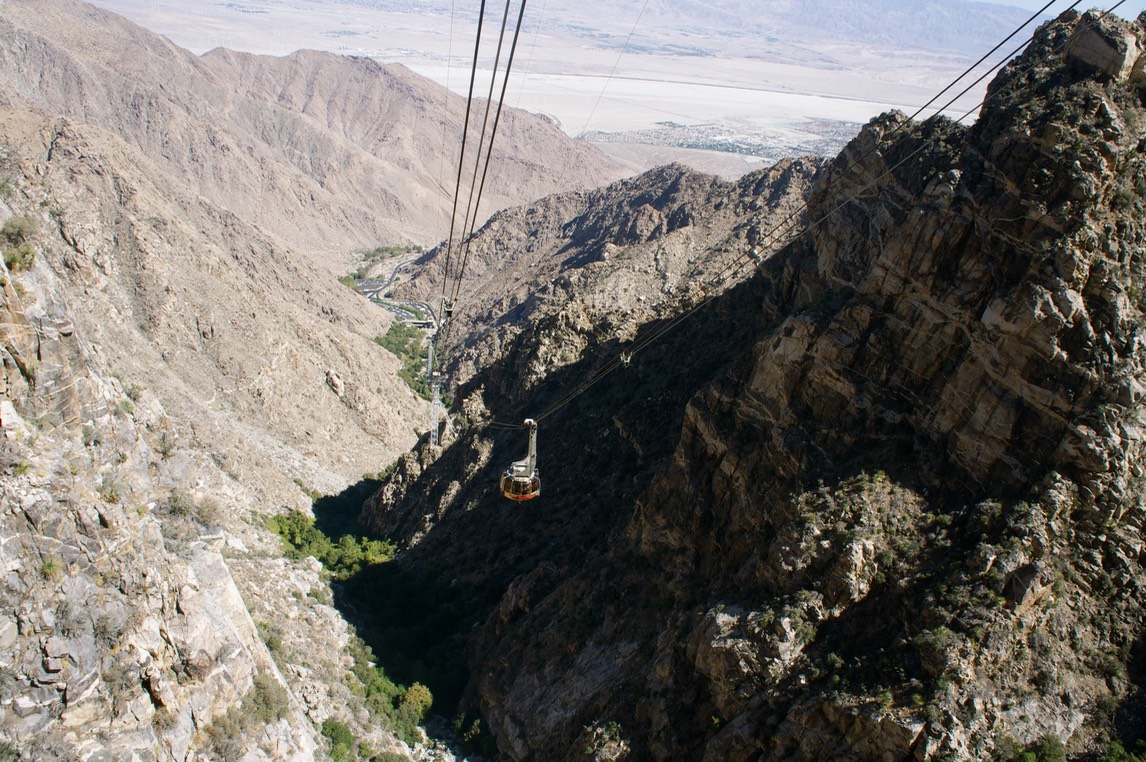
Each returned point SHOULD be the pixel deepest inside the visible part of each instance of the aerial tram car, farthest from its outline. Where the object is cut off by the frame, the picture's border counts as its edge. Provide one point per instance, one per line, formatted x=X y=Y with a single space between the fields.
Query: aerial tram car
x=520 y=481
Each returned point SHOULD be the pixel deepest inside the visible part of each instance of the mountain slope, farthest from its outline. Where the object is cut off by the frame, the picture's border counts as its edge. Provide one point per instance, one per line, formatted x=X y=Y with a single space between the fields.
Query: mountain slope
x=325 y=153
x=882 y=501
x=603 y=262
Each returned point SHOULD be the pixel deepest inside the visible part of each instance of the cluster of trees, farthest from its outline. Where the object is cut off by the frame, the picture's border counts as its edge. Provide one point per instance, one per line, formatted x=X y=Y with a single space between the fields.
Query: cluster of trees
x=407 y=343
x=343 y=558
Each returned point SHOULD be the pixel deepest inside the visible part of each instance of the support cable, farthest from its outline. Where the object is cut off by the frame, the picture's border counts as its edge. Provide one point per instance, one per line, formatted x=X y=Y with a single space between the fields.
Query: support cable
x=489 y=153
x=462 y=156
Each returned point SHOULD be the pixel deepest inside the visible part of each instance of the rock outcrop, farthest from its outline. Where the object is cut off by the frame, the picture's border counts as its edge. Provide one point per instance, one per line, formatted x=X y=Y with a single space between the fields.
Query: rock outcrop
x=900 y=514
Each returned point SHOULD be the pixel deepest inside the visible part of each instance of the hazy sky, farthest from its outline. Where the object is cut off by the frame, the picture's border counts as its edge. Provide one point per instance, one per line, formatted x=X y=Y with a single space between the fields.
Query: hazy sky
x=1129 y=9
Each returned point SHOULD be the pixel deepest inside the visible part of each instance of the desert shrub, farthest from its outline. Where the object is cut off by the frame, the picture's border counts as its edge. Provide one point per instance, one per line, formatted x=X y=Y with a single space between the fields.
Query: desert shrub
x=108 y=630
x=265 y=703
x=122 y=680
x=51 y=569
x=111 y=489
x=9 y=752
x=208 y=512
x=1049 y=749
x=180 y=503
x=164 y=720
x=18 y=230
x=69 y=623
x=271 y=635
x=268 y=700
x=14 y=239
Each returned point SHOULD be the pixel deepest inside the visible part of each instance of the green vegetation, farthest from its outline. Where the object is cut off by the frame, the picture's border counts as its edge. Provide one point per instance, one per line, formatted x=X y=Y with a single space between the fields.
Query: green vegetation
x=342 y=740
x=401 y=709
x=111 y=489
x=406 y=342
x=1047 y=749
x=356 y=560
x=14 y=238
x=343 y=558
x=371 y=258
x=1116 y=752
x=165 y=444
x=271 y=635
x=51 y=569
x=381 y=253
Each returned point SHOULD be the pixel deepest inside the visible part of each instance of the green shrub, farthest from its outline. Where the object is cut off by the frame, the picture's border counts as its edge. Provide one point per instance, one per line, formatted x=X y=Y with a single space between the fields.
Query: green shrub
x=51 y=569
x=342 y=740
x=111 y=489
x=338 y=732
x=165 y=444
x=343 y=559
x=267 y=702
x=9 y=752
x=382 y=693
x=407 y=344
x=419 y=698
x=180 y=503
x=271 y=635
x=19 y=258
x=1049 y=749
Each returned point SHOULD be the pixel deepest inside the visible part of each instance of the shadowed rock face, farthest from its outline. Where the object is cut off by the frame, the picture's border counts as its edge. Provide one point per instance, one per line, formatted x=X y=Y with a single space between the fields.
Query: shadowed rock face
x=899 y=514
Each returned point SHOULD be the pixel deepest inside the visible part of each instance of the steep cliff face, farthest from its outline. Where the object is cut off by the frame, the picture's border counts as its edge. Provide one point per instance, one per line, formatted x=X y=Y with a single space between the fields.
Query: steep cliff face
x=121 y=628
x=901 y=517
x=168 y=382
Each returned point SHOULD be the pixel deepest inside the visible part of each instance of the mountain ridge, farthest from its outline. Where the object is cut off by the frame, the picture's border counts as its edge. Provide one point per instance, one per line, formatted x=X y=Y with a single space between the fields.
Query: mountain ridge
x=898 y=514
x=262 y=141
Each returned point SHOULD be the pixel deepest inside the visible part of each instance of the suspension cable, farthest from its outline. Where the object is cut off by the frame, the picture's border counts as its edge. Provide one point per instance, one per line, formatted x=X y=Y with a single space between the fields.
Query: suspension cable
x=489 y=153
x=462 y=156
x=484 y=127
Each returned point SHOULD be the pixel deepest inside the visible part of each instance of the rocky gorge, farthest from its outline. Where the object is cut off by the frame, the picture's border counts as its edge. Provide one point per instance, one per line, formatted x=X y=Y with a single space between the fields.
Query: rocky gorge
x=842 y=460
x=882 y=500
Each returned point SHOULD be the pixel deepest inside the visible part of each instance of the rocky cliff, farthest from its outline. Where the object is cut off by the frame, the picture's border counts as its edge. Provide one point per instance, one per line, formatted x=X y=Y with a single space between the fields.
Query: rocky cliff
x=146 y=434
x=881 y=501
